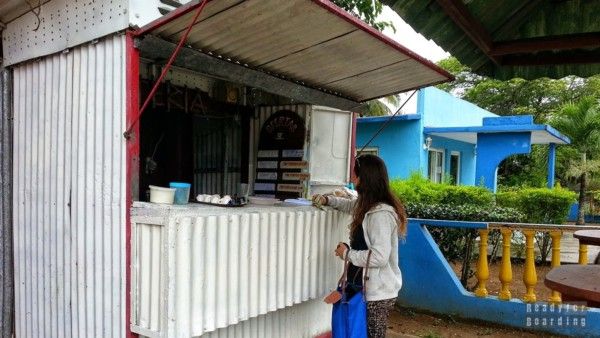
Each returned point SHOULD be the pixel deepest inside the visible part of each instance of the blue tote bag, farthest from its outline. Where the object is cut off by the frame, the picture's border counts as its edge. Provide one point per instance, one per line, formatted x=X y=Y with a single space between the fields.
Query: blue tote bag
x=349 y=316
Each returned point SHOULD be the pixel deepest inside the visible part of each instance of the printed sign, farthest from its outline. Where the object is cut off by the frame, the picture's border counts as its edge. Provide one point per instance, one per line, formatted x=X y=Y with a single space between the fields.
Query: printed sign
x=267 y=164
x=281 y=141
x=296 y=176
x=264 y=186
x=268 y=153
x=292 y=153
x=294 y=164
x=267 y=176
x=290 y=187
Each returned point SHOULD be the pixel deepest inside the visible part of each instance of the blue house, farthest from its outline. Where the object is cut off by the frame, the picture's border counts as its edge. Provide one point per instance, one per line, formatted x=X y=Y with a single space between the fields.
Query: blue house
x=450 y=137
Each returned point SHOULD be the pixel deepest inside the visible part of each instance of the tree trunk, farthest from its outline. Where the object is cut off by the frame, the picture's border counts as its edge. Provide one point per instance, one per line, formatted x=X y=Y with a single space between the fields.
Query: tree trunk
x=581 y=209
x=467 y=255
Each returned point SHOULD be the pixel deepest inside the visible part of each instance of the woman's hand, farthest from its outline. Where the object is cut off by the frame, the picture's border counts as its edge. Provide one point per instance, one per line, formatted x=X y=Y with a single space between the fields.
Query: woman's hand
x=341 y=249
x=319 y=199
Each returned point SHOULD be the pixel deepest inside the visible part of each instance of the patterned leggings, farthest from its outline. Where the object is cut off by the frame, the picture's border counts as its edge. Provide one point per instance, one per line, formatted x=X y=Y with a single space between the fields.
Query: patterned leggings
x=377 y=317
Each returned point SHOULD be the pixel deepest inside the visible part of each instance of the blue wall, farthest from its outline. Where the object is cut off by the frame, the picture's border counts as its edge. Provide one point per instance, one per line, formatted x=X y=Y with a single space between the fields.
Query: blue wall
x=441 y=109
x=399 y=145
x=467 y=158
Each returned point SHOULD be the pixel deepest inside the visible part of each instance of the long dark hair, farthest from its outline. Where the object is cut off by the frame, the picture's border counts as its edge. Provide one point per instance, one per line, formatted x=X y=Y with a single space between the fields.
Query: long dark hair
x=373 y=189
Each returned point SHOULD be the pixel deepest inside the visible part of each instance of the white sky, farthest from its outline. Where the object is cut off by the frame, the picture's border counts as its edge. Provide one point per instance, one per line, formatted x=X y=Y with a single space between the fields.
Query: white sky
x=407 y=37
x=414 y=41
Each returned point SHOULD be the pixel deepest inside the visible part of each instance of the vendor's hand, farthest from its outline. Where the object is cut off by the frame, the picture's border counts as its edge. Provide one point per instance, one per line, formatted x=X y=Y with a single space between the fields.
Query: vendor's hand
x=341 y=249
x=319 y=199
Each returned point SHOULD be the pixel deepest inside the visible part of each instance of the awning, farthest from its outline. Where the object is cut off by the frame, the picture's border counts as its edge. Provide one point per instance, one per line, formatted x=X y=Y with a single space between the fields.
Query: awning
x=311 y=43
x=508 y=39
x=540 y=133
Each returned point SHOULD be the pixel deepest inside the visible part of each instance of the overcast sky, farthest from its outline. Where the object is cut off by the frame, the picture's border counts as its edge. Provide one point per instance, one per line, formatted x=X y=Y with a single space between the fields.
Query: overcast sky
x=407 y=37
x=414 y=41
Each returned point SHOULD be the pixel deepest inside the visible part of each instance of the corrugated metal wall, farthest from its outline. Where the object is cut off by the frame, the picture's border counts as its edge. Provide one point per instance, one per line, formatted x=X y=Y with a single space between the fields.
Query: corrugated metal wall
x=307 y=320
x=195 y=274
x=6 y=228
x=69 y=193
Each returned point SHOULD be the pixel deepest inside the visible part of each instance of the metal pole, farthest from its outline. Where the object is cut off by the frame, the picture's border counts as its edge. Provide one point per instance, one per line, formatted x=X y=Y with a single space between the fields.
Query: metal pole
x=7 y=303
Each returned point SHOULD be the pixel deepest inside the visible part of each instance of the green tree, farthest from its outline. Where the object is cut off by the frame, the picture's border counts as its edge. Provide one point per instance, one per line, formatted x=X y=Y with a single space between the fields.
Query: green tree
x=580 y=121
x=367 y=11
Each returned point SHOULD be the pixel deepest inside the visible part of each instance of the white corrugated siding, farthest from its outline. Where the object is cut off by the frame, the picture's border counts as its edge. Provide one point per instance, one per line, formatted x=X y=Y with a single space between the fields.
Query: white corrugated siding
x=69 y=195
x=196 y=274
x=307 y=319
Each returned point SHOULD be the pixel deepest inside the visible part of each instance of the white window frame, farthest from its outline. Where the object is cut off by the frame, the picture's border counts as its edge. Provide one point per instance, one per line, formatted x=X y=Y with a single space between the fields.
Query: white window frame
x=443 y=152
x=368 y=150
x=457 y=153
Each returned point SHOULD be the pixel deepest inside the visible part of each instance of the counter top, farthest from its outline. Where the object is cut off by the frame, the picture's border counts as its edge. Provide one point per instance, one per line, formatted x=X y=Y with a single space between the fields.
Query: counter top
x=158 y=210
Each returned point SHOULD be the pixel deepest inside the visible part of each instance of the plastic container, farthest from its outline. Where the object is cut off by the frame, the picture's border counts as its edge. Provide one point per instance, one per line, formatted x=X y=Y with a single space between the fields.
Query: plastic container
x=182 y=192
x=162 y=195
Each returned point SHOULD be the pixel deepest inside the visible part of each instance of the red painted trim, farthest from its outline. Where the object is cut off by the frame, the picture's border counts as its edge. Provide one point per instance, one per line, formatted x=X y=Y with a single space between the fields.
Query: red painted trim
x=165 y=19
x=324 y=335
x=328 y=5
x=132 y=154
x=353 y=148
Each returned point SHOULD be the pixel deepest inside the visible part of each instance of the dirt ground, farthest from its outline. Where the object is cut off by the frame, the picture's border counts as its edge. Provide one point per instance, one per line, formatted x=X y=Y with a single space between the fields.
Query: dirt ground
x=406 y=322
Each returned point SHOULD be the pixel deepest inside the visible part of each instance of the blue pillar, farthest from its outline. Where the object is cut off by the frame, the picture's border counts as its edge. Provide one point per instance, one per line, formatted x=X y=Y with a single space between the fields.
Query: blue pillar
x=551 y=164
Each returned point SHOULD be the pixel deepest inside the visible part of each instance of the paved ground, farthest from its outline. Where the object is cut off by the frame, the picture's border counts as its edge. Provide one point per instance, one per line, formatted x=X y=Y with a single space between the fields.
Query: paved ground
x=569 y=250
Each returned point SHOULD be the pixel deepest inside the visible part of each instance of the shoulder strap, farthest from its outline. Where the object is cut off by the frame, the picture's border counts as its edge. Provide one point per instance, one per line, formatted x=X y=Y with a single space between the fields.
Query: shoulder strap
x=366 y=274
x=343 y=280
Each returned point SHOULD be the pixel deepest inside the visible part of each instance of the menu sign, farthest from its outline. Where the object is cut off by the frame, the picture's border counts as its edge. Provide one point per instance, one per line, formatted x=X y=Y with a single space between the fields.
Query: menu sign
x=280 y=156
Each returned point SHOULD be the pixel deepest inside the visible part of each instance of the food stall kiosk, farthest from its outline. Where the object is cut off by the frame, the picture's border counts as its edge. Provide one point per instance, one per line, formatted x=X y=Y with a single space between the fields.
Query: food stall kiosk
x=253 y=270
x=247 y=97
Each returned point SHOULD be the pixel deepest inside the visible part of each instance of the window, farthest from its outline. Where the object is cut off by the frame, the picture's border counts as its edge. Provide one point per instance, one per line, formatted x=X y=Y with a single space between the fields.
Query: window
x=455 y=167
x=436 y=165
x=368 y=150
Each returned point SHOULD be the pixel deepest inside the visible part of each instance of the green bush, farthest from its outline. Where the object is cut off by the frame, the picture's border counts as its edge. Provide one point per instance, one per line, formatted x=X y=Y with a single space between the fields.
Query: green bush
x=417 y=189
x=465 y=212
x=462 y=194
x=539 y=205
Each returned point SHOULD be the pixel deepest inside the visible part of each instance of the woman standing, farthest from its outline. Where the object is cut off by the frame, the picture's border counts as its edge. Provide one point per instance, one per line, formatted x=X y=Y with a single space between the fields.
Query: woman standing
x=378 y=220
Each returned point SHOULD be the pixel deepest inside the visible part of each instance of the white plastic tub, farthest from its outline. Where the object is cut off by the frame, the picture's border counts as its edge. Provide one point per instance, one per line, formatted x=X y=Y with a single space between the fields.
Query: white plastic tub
x=162 y=195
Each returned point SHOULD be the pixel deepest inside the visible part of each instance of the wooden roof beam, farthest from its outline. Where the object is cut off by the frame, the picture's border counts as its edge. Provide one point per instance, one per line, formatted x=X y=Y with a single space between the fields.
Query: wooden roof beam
x=460 y=15
x=551 y=59
x=561 y=42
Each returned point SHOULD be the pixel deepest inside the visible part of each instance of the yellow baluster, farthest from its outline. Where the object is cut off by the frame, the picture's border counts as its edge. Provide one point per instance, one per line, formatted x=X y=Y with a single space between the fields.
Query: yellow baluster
x=505 y=268
x=556 y=235
x=583 y=254
x=483 y=272
x=529 y=274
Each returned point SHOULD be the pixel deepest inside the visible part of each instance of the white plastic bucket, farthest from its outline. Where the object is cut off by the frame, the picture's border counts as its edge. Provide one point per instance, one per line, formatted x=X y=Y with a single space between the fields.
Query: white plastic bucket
x=162 y=195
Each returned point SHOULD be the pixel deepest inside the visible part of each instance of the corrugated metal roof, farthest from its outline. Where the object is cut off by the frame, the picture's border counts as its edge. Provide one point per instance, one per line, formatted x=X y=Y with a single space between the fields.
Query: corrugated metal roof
x=511 y=20
x=312 y=42
x=11 y=9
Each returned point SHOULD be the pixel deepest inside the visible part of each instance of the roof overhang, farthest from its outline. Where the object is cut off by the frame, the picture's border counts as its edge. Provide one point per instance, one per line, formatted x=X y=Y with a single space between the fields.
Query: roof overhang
x=305 y=43
x=508 y=39
x=540 y=134
x=385 y=119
